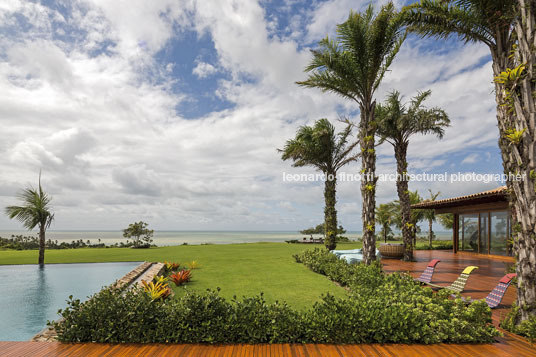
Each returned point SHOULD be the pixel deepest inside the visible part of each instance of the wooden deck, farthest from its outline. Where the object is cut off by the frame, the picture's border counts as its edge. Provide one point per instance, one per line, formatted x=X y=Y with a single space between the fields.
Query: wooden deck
x=478 y=286
x=480 y=282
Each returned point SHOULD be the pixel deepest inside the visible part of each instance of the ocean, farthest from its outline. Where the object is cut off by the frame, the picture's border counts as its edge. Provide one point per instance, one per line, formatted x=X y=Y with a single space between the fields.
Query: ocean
x=166 y=238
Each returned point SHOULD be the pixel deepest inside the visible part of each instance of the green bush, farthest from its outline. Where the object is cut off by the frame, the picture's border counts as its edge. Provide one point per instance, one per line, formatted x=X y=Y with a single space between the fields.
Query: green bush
x=526 y=328
x=379 y=308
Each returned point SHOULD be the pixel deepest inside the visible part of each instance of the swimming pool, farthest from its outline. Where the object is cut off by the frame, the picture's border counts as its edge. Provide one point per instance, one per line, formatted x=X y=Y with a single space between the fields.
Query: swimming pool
x=31 y=295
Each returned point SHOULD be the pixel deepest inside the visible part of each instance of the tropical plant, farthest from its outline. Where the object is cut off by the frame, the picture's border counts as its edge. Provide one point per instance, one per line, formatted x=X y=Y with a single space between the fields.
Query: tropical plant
x=139 y=233
x=446 y=220
x=353 y=67
x=181 y=277
x=430 y=216
x=321 y=147
x=397 y=122
x=159 y=290
x=193 y=265
x=34 y=212
x=507 y=28
x=171 y=266
x=385 y=214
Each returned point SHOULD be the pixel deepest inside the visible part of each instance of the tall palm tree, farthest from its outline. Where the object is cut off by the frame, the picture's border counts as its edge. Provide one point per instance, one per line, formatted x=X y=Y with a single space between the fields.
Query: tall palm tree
x=507 y=28
x=320 y=147
x=430 y=216
x=385 y=214
x=396 y=123
x=34 y=212
x=353 y=66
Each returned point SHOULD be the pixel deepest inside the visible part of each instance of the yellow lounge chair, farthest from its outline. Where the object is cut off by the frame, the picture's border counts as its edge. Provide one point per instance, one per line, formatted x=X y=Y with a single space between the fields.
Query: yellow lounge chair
x=459 y=284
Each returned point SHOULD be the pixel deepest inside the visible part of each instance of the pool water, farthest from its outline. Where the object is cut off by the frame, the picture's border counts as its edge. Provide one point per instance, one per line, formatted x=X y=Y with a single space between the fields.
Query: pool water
x=30 y=295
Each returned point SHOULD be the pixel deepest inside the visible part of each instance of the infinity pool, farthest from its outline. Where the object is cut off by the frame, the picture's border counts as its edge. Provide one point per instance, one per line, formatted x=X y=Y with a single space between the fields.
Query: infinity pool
x=30 y=295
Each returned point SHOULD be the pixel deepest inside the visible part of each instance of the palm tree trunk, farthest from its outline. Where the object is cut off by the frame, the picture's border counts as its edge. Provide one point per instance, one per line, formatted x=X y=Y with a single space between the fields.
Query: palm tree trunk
x=522 y=159
x=385 y=234
x=330 y=213
x=403 y=196
x=430 y=232
x=41 y=245
x=368 y=182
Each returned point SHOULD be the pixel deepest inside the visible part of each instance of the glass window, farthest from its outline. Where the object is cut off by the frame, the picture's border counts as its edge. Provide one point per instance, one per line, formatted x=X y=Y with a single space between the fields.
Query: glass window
x=468 y=237
x=499 y=233
x=484 y=220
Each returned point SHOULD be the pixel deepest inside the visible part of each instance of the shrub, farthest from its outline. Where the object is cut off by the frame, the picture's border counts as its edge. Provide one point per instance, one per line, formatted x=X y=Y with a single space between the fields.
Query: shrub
x=526 y=328
x=379 y=308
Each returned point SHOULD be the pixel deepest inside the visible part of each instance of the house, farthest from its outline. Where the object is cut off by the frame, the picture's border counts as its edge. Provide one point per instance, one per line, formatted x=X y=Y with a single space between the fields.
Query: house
x=481 y=221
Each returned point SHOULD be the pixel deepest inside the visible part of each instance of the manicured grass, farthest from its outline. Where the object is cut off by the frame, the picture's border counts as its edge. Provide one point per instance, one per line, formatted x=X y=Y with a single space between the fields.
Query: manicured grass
x=238 y=269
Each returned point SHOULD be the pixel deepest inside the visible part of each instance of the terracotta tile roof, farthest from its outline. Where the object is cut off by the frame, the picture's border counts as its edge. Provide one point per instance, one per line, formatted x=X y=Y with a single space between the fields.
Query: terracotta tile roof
x=500 y=193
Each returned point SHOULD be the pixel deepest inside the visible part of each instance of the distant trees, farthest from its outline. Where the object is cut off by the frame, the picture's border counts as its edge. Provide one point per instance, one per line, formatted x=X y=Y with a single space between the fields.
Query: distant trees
x=319 y=146
x=141 y=236
x=320 y=229
x=35 y=211
x=430 y=216
x=446 y=220
x=385 y=215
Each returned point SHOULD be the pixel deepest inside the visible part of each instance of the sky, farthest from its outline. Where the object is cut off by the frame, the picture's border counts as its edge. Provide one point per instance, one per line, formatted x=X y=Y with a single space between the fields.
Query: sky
x=171 y=112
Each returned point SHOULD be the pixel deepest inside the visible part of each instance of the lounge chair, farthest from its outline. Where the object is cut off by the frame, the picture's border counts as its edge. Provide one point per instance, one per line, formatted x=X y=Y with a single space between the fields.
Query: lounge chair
x=426 y=275
x=459 y=284
x=496 y=295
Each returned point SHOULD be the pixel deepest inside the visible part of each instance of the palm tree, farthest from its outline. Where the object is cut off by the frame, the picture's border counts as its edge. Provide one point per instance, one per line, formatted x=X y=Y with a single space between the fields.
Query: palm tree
x=34 y=212
x=353 y=67
x=430 y=216
x=396 y=123
x=416 y=216
x=507 y=28
x=385 y=214
x=320 y=147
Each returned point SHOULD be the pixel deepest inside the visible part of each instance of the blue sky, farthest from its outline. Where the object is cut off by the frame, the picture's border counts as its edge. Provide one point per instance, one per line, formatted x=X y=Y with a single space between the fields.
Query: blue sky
x=171 y=111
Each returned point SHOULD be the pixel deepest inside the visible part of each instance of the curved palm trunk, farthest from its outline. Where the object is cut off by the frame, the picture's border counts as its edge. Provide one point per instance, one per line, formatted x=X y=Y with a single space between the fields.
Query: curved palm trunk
x=367 y=133
x=430 y=232
x=521 y=158
x=403 y=196
x=330 y=213
x=41 y=245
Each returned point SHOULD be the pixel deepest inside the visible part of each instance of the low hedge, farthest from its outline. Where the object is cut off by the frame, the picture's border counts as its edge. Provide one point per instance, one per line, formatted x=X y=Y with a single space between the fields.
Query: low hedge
x=379 y=308
x=526 y=328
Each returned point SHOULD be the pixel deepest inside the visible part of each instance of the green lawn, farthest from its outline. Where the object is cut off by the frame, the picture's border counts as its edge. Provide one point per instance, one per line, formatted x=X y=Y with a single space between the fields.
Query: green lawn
x=238 y=269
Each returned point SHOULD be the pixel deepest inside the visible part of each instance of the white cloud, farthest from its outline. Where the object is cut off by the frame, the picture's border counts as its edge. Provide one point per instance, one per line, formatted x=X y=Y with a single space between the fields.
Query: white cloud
x=97 y=114
x=203 y=70
x=470 y=159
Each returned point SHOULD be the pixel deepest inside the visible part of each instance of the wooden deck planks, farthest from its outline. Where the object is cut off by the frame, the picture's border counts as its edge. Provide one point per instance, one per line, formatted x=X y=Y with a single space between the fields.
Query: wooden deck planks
x=506 y=346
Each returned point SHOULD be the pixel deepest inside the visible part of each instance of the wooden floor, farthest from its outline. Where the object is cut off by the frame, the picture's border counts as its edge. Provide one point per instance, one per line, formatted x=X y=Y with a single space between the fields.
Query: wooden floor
x=478 y=286
x=480 y=282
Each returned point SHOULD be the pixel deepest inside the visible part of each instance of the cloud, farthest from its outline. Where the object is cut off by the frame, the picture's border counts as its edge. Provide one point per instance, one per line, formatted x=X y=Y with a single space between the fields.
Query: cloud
x=470 y=159
x=203 y=70
x=87 y=98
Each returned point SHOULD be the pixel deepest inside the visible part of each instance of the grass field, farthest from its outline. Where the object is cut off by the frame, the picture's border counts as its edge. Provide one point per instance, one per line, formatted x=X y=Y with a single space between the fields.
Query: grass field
x=238 y=269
